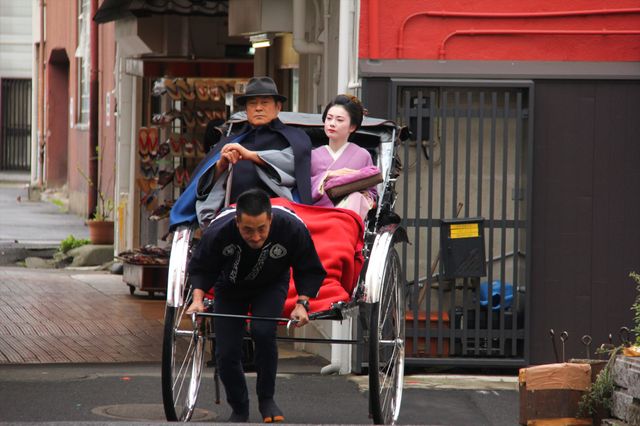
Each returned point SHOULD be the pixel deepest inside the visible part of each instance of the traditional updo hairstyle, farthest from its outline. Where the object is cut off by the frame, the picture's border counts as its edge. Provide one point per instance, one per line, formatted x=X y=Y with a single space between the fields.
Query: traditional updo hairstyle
x=351 y=104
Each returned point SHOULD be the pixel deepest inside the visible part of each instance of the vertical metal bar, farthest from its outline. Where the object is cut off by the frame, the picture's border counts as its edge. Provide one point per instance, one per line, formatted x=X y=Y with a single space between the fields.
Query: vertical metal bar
x=406 y=98
x=29 y=127
x=454 y=207
x=463 y=315
x=516 y=227
x=492 y=174
x=467 y=181
x=443 y=188
x=454 y=167
x=3 y=138
x=480 y=150
x=529 y=172
x=406 y=102
x=505 y=196
x=467 y=191
x=12 y=124
x=3 y=132
x=23 y=96
x=433 y=114
x=25 y=125
x=476 y=283
x=416 y=242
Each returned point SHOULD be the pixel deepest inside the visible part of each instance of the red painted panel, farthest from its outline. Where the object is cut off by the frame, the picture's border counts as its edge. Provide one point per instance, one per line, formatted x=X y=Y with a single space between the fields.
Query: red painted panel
x=579 y=30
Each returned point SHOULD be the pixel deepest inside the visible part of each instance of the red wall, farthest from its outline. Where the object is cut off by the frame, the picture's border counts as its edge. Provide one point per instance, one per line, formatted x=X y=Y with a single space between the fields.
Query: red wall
x=430 y=29
x=66 y=157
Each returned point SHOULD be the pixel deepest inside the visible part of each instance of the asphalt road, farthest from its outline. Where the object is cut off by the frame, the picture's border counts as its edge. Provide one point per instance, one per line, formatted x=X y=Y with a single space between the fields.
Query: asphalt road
x=132 y=392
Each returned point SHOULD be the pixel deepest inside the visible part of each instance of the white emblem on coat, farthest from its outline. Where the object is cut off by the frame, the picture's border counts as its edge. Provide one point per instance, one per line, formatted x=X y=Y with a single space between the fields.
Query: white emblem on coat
x=229 y=250
x=277 y=251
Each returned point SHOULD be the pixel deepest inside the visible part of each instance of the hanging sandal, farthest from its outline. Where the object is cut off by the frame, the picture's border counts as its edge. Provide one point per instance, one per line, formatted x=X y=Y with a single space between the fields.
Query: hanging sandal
x=202 y=90
x=152 y=137
x=172 y=90
x=176 y=145
x=185 y=89
x=189 y=118
x=143 y=147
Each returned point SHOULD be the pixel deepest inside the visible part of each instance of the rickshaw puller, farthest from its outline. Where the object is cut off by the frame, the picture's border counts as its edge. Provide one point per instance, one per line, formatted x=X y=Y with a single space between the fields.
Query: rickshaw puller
x=246 y=254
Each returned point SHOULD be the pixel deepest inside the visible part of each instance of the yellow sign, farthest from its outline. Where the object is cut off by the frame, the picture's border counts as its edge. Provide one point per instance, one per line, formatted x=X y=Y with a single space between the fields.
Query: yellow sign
x=464 y=230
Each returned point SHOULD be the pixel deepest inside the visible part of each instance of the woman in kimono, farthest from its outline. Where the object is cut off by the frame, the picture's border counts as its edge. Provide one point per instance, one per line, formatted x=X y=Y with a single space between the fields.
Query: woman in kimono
x=341 y=117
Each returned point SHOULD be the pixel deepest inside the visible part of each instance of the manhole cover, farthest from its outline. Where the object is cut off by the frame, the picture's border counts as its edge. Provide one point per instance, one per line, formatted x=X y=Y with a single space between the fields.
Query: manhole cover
x=140 y=412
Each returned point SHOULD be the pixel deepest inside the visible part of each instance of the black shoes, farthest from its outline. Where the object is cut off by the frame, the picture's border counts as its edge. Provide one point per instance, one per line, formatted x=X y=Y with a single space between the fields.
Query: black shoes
x=270 y=411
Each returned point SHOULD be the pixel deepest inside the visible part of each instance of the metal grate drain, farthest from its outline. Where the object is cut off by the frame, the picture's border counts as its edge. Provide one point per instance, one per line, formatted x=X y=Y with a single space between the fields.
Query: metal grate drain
x=142 y=412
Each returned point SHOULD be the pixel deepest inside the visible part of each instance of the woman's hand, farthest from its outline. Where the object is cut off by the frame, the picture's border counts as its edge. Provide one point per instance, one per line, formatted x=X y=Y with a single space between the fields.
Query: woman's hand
x=341 y=172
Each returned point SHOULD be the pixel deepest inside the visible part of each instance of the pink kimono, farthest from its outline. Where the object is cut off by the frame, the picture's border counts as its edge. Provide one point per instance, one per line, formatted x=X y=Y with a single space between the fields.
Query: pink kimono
x=351 y=156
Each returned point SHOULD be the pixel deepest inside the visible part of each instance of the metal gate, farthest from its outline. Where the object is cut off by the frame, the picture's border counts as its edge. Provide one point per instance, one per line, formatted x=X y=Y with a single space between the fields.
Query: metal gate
x=470 y=156
x=15 y=124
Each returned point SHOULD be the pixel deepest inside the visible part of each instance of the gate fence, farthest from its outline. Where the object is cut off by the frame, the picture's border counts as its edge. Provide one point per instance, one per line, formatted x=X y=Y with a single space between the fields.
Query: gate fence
x=15 y=124
x=470 y=156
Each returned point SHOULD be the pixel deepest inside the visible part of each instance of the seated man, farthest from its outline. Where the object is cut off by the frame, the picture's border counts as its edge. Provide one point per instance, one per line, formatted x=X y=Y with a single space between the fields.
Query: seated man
x=246 y=254
x=265 y=154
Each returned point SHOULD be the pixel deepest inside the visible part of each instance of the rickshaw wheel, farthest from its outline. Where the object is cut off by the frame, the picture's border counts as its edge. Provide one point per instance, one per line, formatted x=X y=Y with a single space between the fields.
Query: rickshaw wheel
x=386 y=345
x=183 y=350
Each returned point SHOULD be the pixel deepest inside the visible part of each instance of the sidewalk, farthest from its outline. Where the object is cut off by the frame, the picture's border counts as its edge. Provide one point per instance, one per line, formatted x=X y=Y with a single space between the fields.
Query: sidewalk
x=31 y=228
x=67 y=316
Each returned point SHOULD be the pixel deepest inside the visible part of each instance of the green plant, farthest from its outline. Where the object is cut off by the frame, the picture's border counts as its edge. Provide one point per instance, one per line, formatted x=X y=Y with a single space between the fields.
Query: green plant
x=104 y=205
x=599 y=395
x=72 y=242
x=60 y=204
x=636 y=308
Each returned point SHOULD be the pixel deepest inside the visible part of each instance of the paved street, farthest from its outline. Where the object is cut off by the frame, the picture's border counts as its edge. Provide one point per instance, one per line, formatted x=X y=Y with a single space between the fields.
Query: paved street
x=132 y=392
x=79 y=347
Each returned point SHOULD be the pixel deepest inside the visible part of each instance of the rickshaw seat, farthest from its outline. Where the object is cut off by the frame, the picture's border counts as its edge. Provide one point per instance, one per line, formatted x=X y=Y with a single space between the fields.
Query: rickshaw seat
x=338 y=235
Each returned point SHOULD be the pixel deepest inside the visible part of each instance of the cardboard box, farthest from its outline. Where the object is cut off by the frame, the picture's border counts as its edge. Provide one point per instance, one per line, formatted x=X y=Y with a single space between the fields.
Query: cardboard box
x=552 y=391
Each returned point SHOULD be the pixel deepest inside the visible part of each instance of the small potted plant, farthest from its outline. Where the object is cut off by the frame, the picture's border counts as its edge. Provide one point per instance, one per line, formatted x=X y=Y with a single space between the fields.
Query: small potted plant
x=101 y=225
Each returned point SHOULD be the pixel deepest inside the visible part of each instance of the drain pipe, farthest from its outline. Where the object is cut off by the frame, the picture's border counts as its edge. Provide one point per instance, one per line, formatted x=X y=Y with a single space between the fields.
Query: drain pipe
x=92 y=196
x=40 y=139
x=344 y=51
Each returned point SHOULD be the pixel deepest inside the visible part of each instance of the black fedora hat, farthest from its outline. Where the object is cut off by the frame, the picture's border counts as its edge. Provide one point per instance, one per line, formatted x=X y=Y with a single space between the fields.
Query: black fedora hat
x=260 y=86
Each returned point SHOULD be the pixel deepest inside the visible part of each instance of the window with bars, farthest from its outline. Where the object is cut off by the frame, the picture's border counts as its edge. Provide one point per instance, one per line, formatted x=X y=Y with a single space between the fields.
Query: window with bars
x=82 y=53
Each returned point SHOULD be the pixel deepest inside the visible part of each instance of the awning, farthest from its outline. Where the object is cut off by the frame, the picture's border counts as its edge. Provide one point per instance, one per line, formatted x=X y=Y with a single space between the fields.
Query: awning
x=112 y=10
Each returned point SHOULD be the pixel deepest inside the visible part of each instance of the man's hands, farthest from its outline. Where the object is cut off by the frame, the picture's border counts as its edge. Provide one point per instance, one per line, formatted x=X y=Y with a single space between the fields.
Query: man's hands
x=231 y=153
x=197 y=306
x=299 y=313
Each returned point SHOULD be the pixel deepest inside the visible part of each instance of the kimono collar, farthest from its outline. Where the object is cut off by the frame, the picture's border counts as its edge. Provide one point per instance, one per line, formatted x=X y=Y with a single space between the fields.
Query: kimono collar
x=338 y=153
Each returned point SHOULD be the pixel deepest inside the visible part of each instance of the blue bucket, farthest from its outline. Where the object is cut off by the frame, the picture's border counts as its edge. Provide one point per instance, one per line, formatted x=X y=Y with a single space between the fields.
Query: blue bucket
x=495 y=295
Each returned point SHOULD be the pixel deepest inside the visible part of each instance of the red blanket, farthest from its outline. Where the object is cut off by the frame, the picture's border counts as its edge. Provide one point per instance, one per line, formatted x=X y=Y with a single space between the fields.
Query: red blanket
x=338 y=237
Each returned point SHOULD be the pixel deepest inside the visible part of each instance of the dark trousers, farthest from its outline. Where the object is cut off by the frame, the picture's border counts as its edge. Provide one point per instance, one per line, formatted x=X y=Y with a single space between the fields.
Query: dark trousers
x=230 y=333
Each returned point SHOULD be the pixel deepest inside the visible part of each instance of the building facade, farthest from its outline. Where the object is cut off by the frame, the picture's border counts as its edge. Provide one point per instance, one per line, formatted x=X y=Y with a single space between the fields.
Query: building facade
x=523 y=116
x=16 y=75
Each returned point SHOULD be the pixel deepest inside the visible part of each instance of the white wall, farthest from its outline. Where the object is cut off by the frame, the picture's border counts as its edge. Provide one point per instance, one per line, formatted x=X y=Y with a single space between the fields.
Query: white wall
x=15 y=39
